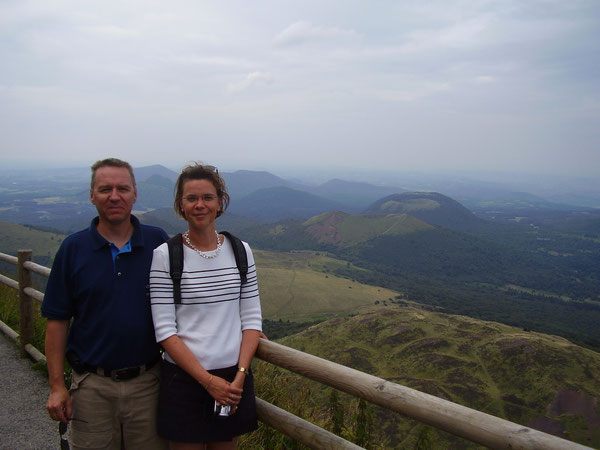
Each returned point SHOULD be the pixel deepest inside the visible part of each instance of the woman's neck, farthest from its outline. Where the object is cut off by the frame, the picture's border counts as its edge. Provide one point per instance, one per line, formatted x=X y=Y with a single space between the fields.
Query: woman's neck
x=205 y=239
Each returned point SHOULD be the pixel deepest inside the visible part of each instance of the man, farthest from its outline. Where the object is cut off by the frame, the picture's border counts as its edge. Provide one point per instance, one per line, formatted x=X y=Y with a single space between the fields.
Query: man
x=99 y=280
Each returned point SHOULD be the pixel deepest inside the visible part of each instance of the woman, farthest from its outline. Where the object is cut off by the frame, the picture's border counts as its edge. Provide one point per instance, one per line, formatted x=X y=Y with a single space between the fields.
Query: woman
x=211 y=337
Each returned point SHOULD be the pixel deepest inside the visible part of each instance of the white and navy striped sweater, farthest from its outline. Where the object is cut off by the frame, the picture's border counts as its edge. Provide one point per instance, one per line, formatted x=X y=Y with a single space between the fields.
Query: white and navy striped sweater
x=213 y=312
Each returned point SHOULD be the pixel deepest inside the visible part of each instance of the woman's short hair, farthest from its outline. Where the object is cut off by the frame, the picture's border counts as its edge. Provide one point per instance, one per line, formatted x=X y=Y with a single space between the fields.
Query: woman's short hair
x=199 y=171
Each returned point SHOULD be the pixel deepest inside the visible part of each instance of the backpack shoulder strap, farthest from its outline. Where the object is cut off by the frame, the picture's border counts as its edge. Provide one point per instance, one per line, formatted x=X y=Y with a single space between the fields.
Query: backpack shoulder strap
x=239 y=251
x=175 y=245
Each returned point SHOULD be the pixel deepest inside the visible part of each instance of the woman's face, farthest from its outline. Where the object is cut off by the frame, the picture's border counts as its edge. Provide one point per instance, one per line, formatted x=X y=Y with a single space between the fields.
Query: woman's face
x=200 y=203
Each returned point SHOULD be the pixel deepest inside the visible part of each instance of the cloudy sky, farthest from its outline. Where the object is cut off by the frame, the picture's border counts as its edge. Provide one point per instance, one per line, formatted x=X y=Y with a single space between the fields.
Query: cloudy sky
x=397 y=85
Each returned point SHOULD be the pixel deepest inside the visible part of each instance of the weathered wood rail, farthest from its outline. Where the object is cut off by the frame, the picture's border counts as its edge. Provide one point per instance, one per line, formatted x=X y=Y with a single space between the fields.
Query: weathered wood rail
x=459 y=420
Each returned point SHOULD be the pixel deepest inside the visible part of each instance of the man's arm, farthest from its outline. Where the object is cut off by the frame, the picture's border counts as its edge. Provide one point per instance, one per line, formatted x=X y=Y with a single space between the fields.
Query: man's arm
x=59 y=401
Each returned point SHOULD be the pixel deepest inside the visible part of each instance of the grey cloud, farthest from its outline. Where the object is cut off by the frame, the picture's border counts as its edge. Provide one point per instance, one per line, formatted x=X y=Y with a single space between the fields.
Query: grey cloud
x=302 y=32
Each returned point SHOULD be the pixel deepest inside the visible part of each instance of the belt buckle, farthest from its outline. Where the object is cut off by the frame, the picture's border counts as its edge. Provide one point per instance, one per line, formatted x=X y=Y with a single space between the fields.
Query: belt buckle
x=125 y=374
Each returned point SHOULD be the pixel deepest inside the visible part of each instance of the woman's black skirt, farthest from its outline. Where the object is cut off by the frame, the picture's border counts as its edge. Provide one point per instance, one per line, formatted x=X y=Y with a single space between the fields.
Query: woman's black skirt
x=186 y=409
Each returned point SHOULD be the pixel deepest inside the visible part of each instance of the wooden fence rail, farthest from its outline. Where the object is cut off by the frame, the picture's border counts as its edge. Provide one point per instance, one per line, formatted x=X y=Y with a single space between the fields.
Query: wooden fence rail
x=459 y=420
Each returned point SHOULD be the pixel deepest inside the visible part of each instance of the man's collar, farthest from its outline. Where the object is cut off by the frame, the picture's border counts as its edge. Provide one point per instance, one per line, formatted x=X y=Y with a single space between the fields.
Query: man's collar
x=99 y=241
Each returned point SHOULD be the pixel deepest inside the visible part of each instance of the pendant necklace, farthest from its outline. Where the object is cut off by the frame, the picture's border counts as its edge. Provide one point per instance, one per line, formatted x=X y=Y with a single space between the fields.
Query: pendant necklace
x=209 y=254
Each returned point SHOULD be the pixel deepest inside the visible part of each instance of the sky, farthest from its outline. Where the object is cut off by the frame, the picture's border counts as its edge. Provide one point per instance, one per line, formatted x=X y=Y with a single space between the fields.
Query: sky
x=440 y=85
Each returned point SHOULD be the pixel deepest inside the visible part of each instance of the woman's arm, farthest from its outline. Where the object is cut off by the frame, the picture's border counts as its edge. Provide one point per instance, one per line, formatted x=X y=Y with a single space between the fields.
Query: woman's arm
x=221 y=390
x=247 y=351
x=251 y=319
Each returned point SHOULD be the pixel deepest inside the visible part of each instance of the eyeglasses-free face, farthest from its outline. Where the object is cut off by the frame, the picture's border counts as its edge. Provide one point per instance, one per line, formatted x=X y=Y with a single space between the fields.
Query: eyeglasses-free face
x=113 y=194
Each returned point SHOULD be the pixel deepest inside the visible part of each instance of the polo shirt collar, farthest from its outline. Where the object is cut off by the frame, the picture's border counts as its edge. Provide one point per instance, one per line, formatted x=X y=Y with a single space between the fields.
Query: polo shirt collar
x=99 y=242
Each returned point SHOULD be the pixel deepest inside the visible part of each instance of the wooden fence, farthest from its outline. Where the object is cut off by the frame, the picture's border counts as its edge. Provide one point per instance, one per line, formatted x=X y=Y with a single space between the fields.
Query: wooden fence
x=468 y=423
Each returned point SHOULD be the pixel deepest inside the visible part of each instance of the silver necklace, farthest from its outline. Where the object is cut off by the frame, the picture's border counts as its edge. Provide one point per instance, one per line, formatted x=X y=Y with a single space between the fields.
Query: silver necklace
x=209 y=254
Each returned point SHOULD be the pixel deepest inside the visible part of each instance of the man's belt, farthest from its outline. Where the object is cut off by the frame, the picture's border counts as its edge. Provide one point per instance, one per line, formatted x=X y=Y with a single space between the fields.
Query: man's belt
x=126 y=373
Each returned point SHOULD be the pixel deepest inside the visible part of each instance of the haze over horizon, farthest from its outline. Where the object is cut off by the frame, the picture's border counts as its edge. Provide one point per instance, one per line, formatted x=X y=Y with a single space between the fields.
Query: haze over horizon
x=502 y=87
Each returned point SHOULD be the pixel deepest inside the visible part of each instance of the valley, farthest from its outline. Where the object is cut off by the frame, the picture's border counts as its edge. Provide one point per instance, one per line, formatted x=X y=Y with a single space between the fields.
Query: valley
x=494 y=306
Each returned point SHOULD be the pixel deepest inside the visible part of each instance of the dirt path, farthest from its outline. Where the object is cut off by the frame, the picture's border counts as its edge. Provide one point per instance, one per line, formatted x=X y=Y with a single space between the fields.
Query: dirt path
x=24 y=423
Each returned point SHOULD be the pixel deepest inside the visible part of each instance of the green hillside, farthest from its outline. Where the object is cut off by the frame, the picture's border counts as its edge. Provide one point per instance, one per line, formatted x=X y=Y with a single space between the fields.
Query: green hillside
x=533 y=379
x=44 y=244
x=332 y=231
x=300 y=286
x=345 y=230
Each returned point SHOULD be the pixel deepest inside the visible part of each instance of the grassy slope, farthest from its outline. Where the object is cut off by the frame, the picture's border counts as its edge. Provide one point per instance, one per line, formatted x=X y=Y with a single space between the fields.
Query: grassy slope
x=521 y=376
x=362 y=228
x=345 y=230
x=14 y=237
x=298 y=286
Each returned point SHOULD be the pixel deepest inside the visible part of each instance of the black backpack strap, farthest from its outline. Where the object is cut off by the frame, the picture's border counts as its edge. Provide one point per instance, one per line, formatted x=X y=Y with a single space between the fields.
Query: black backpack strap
x=239 y=251
x=175 y=245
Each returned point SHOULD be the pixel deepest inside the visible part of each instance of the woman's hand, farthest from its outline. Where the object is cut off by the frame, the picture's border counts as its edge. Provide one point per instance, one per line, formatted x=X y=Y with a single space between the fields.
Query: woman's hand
x=238 y=382
x=223 y=392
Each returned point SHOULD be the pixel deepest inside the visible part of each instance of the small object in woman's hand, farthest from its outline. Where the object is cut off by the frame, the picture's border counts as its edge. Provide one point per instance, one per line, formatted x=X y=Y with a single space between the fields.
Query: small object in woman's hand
x=222 y=411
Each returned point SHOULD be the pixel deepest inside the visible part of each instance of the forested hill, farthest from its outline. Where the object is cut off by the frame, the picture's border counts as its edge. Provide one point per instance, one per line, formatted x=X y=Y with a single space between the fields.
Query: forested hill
x=430 y=207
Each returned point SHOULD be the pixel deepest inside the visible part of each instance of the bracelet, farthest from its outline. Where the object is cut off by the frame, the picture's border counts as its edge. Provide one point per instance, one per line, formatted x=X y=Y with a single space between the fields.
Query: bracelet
x=209 y=381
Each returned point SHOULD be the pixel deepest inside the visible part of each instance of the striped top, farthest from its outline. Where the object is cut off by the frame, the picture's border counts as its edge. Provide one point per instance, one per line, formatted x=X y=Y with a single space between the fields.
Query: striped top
x=213 y=310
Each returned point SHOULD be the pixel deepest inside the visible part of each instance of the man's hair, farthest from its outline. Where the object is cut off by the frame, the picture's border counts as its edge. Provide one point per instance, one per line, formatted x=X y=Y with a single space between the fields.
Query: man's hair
x=198 y=171
x=111 y=162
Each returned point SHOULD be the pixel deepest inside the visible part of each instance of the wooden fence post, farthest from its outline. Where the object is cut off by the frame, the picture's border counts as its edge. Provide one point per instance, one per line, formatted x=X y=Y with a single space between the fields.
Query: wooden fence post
x=25 y=302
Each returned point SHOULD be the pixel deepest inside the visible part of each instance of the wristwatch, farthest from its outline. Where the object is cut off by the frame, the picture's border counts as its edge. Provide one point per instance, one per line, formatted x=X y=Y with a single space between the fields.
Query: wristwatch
x=242 y=369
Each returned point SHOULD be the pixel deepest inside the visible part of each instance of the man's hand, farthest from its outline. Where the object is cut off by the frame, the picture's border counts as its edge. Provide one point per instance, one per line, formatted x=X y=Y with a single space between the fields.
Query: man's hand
x=59 y=405
x=59 y=401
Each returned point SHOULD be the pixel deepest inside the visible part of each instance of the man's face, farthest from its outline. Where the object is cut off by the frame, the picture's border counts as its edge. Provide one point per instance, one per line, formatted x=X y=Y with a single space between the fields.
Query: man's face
x=113 y=194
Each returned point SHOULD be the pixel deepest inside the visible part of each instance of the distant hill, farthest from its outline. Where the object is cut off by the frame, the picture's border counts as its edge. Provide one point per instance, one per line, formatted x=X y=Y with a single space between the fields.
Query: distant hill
x=278 y=203
x=243 y=182
x=355 y=196
x=430 y=207
x=159 y=180
x=477 y=194
x=537 y=380
x=146 y=172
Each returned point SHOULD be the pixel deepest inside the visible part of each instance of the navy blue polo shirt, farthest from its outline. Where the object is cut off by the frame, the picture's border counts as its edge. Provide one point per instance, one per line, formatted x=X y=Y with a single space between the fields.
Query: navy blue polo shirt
x=112 y=322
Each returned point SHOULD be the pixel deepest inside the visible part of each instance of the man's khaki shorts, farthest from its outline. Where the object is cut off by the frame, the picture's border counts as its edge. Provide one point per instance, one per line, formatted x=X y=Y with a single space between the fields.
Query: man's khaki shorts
x=110 y=414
